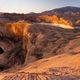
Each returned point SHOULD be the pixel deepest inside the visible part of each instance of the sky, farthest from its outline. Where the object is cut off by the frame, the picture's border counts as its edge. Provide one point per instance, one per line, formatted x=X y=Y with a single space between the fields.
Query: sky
x=27 y=6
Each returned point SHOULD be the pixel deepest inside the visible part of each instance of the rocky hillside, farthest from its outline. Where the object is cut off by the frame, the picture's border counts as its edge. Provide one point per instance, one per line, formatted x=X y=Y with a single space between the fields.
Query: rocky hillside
x=28 y=43
x=40 y=40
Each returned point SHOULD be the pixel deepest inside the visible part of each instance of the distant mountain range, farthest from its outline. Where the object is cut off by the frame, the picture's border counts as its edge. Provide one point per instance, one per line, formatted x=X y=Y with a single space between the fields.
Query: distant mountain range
x=63 y=10
x=71 y=14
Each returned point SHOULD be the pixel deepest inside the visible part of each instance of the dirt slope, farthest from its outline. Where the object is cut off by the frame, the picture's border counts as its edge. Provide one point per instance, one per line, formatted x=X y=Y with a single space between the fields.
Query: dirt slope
x=59 y=66
x=65 y=60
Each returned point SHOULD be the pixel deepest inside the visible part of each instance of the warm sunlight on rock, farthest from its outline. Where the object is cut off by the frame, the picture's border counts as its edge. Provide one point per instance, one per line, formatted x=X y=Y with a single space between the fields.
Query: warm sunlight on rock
x=63 y=26
x=17 y=28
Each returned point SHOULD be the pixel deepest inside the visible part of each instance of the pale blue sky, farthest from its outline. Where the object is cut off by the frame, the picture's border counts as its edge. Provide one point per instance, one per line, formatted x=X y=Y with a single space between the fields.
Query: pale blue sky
x=26 y=6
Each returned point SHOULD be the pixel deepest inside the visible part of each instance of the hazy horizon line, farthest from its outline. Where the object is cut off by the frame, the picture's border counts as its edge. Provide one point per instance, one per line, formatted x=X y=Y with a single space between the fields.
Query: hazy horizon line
x=36 y=11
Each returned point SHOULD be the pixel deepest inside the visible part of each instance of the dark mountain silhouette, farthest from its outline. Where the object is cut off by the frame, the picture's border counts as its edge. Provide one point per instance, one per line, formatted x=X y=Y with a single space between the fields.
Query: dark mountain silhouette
x=63 y=10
